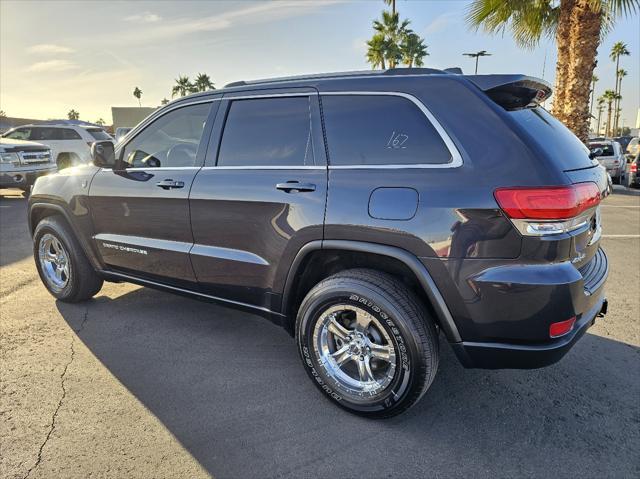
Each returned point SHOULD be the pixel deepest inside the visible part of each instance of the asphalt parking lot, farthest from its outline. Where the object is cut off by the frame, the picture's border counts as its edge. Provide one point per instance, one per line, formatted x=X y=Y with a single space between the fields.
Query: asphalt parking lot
x=139 y=383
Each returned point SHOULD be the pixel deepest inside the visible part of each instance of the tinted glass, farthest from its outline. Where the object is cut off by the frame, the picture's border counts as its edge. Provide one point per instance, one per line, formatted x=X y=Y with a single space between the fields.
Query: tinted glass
x=267 y=132
x=19 y=134
x=43 y=133
x=607 y=149
x=380 y=130
x=552 y=136
x=170 y=141
x=99 y=134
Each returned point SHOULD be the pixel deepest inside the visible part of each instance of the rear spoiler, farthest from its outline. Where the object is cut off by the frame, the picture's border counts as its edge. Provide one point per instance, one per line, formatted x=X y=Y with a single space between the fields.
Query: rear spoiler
x=512 y=92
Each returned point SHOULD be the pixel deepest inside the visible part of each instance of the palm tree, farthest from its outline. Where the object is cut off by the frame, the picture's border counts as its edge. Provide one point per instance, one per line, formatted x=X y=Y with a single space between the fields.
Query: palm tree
x=594 y=80
x=73 y=115
x=413 y=50
x=202 y=83
x=393 y=5
x=609 y=96
x=620 y=75
x=577 y=25
x=182 y=87
x=376 y=51
x=138 y=93
x=2 y=114
x=617 y=50
x=164 y=101
x=394 y=31
x=100 y=122
x=601 y=101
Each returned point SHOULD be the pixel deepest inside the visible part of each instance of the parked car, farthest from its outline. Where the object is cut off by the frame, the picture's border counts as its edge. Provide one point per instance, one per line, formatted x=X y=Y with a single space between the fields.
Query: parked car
x=624 y=141
x=121 y=132
x=634 y=179
x=633 y=148
x=418 y=202
x=612 y=158
x=70 y=144
x=21 y=162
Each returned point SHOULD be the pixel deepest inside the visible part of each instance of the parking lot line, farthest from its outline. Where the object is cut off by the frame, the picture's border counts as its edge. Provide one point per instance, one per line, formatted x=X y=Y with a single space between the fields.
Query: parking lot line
x=620 y=206
x=621 y=236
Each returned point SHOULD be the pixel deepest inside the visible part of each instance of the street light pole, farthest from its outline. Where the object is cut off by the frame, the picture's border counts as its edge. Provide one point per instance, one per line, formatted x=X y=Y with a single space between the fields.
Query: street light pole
x=477 y=55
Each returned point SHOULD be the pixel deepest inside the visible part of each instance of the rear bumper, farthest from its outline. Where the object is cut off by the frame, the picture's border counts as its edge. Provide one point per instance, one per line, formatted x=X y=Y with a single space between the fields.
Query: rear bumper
x=526 y=356
x=23 y=178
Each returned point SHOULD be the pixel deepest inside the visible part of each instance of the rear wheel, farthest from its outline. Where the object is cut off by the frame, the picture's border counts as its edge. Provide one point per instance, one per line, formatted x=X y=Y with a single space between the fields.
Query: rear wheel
x=367 y=343
x=61 y=263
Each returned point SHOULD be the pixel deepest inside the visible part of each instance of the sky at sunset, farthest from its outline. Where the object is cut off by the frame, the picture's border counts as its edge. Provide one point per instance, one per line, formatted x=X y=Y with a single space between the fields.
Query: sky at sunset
x=89 y=56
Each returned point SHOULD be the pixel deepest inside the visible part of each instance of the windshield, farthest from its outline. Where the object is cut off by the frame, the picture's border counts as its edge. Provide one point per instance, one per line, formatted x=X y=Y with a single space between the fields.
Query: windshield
x=99 y=134
x=553 y=137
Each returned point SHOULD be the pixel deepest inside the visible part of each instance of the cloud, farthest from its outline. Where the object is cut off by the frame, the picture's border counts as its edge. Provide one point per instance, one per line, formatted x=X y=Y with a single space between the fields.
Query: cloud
x=441 y=22
x=144 y=17
x=47 y=48
x=53 y=66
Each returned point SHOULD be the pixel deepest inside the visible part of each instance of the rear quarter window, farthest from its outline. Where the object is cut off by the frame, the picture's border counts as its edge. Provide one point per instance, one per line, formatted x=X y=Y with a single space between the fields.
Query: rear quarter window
x=566 y=150
x=98 y=134
x=380 y=130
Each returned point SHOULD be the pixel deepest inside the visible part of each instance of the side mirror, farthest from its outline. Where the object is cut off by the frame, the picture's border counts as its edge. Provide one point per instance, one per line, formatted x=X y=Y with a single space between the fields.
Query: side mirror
x=596 y=152
x=103 y=154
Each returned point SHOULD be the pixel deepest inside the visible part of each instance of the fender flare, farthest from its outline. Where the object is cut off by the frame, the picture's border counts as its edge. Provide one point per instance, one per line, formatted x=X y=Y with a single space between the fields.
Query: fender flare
x=411 y=261
x=89 y=253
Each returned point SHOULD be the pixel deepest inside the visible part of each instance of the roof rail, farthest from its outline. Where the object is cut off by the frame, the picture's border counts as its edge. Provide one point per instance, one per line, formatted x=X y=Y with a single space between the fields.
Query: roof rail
x=321 y=76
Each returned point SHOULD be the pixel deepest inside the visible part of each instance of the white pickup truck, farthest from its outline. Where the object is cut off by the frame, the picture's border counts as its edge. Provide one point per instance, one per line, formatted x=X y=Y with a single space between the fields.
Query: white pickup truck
x=21 y=162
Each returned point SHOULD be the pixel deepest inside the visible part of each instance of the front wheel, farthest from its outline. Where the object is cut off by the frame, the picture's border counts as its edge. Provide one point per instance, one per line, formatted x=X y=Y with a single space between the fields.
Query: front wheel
x=61 y=262
x=367 y=342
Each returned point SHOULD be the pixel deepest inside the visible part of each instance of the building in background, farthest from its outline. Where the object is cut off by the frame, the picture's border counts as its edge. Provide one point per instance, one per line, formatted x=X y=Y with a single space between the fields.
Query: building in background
x=128 y=117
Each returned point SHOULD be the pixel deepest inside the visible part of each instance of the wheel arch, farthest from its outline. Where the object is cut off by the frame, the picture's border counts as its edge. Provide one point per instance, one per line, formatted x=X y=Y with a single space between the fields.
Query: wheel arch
x=320 y=259
x=40 y=211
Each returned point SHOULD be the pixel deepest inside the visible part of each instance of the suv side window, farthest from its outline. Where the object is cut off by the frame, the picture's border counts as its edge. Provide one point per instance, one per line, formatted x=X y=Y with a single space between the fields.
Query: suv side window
x=19 y=134
x=267 y=132
x=380 y=130
x=170 y=141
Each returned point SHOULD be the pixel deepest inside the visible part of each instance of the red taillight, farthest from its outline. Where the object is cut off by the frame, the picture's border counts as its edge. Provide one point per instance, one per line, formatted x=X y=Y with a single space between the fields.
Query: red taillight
x=549 y=202
x=634 y=168
x=561 y=328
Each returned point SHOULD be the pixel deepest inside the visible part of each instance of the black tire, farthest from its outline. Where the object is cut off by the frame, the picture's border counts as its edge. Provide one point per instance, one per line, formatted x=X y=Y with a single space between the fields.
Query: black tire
x=409 y=329
x=82 y=282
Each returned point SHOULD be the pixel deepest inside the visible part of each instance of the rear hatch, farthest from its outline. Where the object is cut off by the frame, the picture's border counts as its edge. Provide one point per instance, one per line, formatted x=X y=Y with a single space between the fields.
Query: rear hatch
x=557 y=147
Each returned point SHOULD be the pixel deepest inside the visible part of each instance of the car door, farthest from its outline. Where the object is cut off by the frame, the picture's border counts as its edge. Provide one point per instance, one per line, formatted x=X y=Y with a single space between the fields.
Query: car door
x=140 y=210
x=261 y=195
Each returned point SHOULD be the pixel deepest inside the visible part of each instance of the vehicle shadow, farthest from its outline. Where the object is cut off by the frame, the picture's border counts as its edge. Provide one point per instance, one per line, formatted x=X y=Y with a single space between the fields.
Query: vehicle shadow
x=16 y=243
x=231 y=389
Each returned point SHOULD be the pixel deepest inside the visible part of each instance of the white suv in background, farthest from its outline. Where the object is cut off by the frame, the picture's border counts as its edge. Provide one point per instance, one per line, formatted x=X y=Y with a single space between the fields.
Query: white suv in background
x=70 y=144
x=612 y=158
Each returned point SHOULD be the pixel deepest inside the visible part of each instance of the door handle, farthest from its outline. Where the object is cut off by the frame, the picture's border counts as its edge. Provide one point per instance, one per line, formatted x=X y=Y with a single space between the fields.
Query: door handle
x=290 y=186
x=169 y=184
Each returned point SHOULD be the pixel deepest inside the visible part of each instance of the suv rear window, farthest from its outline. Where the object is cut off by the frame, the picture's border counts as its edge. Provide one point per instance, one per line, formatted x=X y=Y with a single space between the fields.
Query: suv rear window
x=607 y=149
x=99 y=134
x=568 y=152
x=380 y=130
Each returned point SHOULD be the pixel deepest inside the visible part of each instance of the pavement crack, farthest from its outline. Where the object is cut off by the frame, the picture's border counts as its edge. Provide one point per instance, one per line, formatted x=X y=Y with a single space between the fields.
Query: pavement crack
x=52 y=426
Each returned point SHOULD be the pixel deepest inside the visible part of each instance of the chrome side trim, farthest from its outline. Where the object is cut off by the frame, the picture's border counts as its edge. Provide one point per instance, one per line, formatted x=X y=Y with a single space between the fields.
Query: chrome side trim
x=141 y=242
x=456 y=157
x=256 y=167
x=230 y=96
x=229 y=254
x=135 y=279
x=161 y=168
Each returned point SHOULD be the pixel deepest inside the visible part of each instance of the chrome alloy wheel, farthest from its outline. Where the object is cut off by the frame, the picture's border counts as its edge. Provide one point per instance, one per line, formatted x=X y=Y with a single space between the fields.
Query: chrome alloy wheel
x=355 y=351
x=54 y=261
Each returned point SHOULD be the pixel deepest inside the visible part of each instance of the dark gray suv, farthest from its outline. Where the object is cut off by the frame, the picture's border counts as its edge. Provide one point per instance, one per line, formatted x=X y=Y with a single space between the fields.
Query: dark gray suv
x=364 y=212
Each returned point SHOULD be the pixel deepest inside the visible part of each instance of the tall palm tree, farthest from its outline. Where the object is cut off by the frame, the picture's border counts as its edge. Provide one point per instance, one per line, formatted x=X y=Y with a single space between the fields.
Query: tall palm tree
x=377 y=48
x=182 y=87
x=577 y=25
x=164 y=101
x=203 y=83
x=594 y=80
x=413 y=50
x=73 y=115
x=100 y=122
x=394 y=31
x=600 y=102
x=621 y=74
x=609 y=97
x=393 y=5
x=618 y=50
x=138 y=93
